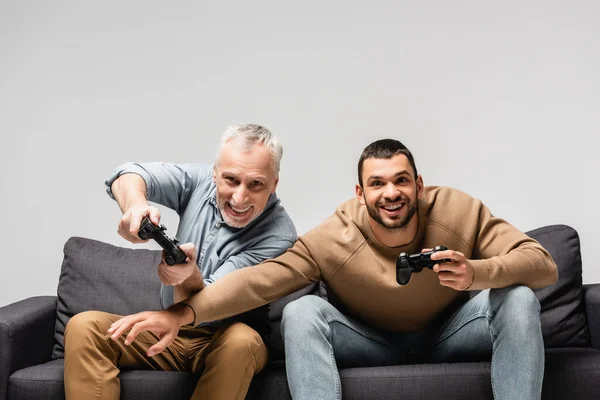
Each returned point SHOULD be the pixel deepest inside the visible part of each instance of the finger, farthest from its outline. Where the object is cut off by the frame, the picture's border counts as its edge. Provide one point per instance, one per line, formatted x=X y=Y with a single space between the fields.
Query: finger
x=165 y=277
x=446 y=276
x=124 y=232
x=162 y=344
x=446 y=266
x=154 y=215
x=161 y=274
x=136 y=330
x=455 y=256
x=124 y=229
x=125 y=325
x=111 y=328
x=116 y=324
x=426 y=250
x=438 y=255
x=450 y=284
x=163 y=256
x=134 y=224
x=189 y=249
x=118 y=332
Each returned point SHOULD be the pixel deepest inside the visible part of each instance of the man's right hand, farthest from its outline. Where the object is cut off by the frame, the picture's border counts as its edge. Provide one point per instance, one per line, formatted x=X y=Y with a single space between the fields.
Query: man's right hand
x=130 y=192
x=129 y=225
x=186 y=278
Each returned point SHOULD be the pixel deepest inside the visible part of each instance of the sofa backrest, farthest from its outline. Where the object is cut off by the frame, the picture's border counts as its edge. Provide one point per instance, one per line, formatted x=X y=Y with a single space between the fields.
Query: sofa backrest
x=563 y=316
x=100 y=276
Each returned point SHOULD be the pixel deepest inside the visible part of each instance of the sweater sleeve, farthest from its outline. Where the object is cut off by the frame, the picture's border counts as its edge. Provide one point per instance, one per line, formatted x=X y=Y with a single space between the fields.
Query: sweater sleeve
x=251 y=287
x=505 y=256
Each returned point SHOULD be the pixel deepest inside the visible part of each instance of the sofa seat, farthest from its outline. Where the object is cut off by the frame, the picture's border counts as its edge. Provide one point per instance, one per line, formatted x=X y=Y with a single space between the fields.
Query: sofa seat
x=45 y=381
x=568 y=374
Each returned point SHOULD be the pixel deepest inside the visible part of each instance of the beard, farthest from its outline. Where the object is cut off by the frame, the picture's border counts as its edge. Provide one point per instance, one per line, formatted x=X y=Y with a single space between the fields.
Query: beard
x=232 y=222
x=393 y=224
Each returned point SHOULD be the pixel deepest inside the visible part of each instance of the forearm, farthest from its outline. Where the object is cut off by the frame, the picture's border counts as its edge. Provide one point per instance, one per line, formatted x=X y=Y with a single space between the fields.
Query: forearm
x=505 y=256
x=184 y=312
x=190 y=286
x=129 y=190
x=252 y=287
x=529 y=265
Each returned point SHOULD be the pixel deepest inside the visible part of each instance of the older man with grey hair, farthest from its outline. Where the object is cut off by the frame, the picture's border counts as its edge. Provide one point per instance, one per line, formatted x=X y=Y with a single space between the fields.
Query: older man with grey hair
x=230 y=218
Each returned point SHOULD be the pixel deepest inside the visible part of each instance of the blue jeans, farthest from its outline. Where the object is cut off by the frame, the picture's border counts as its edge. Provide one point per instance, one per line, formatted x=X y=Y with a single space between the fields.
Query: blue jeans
x=502 y=324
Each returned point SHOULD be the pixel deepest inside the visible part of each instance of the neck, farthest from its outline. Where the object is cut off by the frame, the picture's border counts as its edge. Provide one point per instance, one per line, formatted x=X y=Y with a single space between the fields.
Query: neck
x=395 y=237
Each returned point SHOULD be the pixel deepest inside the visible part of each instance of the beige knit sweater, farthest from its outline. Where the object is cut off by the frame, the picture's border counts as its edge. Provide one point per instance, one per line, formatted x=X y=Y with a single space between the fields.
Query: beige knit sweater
x=361 y=272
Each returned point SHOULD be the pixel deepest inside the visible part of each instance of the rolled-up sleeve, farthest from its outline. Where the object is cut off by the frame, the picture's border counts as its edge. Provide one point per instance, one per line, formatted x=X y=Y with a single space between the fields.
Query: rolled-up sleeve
x=167 y=184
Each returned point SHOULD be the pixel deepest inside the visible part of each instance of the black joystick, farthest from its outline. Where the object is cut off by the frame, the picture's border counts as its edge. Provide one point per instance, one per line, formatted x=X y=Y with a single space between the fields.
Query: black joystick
x=173 y=254
x=407 y=264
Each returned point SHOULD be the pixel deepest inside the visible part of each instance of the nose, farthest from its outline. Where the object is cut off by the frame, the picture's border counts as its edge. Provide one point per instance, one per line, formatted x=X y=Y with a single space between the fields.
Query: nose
x=391 y=191
x=240 y=195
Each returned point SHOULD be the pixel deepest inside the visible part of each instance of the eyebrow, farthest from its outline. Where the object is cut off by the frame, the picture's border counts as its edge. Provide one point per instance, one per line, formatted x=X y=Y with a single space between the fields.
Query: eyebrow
x=377 y=177
x=261 y=178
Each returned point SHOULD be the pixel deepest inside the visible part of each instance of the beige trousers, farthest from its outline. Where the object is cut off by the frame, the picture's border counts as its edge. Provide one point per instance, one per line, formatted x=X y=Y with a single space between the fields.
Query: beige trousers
x=227 y=357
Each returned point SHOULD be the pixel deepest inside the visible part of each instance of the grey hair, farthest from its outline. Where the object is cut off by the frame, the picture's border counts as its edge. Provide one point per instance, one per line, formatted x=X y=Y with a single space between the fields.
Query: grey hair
x=247 y=135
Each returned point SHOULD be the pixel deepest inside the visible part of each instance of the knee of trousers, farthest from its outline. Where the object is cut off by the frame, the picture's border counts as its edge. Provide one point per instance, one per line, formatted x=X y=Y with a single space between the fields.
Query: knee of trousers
x=86 y=330
x=517 y=303
x=305 y=316
x=242 y=342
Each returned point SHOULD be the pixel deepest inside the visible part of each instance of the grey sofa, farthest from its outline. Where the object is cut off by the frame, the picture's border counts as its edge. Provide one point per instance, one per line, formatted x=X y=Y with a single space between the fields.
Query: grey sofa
x=97 y=275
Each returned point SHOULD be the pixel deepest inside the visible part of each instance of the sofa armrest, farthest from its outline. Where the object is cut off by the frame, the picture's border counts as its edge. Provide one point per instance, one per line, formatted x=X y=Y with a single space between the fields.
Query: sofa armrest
x=26 y=335
x=591 y=294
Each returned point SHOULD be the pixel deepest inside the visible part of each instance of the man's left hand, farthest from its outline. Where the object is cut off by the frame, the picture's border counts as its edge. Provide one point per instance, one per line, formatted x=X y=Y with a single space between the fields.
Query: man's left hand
x=173 y=275
x=457 y=274
x=164 y=324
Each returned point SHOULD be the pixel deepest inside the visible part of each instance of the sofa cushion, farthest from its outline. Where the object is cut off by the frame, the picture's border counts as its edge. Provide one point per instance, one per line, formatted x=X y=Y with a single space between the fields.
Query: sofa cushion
x=274 y=341
x=570 y=373
x=563 y=314
x=100 y=276
x=316 y=289
x=45 y=381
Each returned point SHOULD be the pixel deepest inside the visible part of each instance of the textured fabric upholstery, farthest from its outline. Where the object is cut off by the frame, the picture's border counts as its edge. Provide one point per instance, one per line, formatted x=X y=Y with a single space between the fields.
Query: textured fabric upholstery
x=26 y=335
x=563 y=314
x=45 y=381
x=100 y=276
x=591 y=295
x=97 y=275
x=570 y=373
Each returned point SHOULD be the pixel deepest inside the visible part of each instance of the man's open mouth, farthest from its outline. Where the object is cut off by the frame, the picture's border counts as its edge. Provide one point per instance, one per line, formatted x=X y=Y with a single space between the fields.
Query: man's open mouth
x=238 y=212
x=392 y=208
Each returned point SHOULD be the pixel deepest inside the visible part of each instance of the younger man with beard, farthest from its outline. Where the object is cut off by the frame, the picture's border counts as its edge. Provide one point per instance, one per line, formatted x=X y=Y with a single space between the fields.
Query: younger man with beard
x=378 y=322
x=230 y=217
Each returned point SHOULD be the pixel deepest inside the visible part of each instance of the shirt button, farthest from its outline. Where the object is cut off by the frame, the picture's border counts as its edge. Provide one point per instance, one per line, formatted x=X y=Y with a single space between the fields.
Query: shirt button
x=217 y=225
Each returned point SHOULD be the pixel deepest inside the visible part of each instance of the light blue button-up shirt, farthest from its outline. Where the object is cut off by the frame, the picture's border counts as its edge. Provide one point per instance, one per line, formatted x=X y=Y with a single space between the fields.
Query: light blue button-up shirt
x=190 y=191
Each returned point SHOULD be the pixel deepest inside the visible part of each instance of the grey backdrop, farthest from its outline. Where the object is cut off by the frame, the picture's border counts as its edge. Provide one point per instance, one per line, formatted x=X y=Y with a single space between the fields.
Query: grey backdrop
x=500 y=99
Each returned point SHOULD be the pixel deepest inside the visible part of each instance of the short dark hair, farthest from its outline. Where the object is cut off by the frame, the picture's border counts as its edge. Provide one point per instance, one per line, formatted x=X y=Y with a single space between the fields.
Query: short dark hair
x=384 y=148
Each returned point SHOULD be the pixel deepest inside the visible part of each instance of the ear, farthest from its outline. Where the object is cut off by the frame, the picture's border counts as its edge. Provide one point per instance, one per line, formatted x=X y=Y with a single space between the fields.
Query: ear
x=360 y=194
x=420 y=186
x=275 y=185
x=214 y=175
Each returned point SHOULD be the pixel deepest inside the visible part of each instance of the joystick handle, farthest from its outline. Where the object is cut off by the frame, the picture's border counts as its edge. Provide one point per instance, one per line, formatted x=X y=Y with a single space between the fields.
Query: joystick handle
x=173 y=254
x=407 y=264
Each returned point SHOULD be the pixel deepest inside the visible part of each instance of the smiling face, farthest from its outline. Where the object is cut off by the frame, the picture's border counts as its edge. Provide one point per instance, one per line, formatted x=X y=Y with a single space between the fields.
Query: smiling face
x=390 y=192
x=245 y=179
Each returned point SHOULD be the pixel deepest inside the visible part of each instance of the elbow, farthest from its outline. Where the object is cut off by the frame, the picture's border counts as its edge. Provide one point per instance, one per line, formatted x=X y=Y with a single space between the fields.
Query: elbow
x=553 y=273
x=549 y=274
